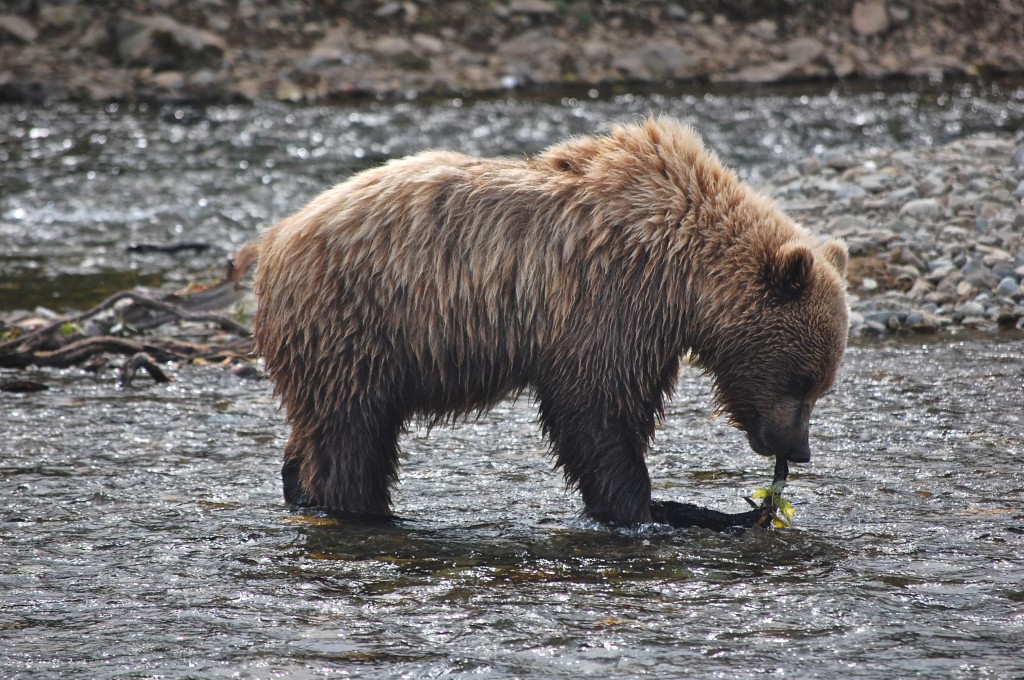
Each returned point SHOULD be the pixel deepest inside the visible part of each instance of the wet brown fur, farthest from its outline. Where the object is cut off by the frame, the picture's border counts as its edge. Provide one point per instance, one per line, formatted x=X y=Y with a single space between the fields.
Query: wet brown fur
x=437 y=284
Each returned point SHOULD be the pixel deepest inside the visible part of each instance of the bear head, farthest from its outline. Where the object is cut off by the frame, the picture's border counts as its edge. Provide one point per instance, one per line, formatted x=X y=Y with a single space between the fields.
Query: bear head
x=784 y=349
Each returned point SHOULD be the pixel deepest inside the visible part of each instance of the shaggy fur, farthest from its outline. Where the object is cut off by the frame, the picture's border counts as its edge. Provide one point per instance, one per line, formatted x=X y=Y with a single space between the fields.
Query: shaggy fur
x=437 y=284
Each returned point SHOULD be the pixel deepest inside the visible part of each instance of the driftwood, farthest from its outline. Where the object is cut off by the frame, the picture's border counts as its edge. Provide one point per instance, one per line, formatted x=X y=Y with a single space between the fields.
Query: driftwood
x=195 y=246
x=124 y=324
x=143 y=361
x=689 y=515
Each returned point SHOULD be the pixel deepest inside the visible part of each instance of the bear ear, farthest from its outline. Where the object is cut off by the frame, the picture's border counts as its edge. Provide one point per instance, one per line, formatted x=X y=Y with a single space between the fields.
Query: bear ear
x=789 y=270
x=835 y=252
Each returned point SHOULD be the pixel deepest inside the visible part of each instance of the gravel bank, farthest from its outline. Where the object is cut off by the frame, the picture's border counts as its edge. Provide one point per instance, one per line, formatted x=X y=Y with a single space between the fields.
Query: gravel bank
x=936 y=235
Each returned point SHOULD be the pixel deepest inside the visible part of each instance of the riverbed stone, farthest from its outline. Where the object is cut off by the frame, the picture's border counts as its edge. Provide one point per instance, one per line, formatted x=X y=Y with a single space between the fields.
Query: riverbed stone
x=658 y=60
x=972 y=308
x=532 y=7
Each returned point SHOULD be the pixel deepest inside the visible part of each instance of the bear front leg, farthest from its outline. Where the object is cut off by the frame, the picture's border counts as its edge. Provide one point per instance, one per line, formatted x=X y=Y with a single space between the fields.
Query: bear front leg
x=603 y=457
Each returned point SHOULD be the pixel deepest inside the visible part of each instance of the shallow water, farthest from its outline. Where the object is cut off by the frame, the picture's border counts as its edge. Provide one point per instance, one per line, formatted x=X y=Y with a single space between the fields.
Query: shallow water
x=142 y=532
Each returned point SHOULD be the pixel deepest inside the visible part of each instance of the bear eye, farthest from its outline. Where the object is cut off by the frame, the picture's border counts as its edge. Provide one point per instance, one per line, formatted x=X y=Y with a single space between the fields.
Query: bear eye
x=800 y=387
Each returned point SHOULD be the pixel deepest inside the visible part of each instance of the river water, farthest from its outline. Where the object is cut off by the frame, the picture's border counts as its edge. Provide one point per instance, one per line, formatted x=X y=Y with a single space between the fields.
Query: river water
x=142 y=532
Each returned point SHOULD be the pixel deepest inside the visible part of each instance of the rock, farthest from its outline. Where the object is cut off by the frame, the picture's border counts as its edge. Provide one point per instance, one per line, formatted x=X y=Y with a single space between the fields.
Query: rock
x=848 y=191
x=805 y=57
x=1018 y=156
x=889 y=319
x=981 y=278
x=428 y=43
x=1007 y=286
x=676 y=13
x=171 y=81
x=804 y=51
x=531 y=7
x=596 y=51
x=399 y=51
x=333 y=47
x=838 y=161
x=764 y=30
x=869 y=17
x=922 y=209
x=901 y=196
x=899 y=15
x=388 y=9
x=161 y=43
x=921 y=322
x=391 y=45
x=875 y=182
x=847 y=223
x=17 y=29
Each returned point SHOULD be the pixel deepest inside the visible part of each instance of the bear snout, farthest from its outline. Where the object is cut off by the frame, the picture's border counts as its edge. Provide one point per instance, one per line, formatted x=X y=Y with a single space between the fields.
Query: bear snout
x=794 y=447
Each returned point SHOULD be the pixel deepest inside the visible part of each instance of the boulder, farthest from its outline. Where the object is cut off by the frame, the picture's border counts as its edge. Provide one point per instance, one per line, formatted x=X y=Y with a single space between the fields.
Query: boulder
x=657 y=60
x=161 y=43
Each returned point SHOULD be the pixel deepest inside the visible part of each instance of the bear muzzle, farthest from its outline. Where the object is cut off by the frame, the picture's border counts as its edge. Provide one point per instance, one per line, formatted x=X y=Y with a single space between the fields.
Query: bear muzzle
x=795 y=448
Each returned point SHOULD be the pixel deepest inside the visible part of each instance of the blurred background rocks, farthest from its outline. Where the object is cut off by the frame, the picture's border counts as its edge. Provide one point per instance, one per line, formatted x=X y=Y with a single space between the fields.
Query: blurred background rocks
x=321 y=51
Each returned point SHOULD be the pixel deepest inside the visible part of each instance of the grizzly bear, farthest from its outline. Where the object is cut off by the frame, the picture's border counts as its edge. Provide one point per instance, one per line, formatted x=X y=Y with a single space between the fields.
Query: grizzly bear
x=435 y=285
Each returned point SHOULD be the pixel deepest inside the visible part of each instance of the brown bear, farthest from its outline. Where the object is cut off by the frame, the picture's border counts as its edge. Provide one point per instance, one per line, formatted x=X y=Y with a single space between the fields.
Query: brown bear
x=438 y=284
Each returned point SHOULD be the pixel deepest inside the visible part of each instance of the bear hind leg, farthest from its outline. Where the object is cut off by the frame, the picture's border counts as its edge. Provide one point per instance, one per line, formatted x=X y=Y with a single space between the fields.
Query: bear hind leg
x=343 y=465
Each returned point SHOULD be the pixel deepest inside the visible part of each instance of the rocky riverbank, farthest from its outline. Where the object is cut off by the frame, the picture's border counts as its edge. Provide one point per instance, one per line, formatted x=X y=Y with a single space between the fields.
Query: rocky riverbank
x=306 y=51
x=936 y=235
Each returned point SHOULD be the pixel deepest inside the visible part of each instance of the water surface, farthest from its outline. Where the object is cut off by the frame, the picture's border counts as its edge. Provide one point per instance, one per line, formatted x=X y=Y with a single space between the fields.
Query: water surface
x=143 y=534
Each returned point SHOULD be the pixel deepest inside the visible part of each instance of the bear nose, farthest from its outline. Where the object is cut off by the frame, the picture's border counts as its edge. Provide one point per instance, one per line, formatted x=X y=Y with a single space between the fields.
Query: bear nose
x=800 y=453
